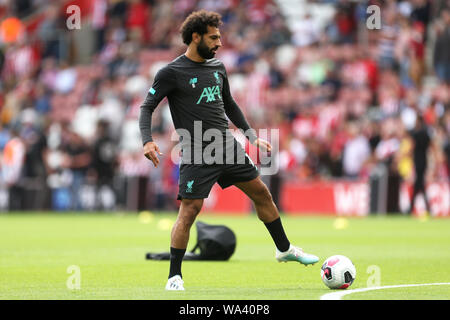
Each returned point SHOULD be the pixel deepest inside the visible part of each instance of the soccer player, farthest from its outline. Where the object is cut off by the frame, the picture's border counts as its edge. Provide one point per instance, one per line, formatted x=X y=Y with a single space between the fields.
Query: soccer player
x=197 y=88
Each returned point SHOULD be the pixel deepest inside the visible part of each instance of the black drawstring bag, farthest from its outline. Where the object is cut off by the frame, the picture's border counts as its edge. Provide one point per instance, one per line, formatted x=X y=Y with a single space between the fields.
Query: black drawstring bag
x=215 y=243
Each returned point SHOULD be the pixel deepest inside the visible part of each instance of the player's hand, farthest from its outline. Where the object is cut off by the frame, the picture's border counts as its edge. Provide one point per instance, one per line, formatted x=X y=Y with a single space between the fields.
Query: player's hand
x=151 y=151
x=263 y=145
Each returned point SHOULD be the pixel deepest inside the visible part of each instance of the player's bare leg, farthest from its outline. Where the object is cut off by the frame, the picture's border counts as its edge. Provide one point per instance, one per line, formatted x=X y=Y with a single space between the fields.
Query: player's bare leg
x=258 y=192
x=187 y=214
x=268 y=213
x=188 y=211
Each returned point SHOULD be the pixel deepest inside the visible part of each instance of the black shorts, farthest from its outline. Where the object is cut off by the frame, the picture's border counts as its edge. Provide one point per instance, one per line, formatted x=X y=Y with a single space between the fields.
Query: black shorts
x=196 y=180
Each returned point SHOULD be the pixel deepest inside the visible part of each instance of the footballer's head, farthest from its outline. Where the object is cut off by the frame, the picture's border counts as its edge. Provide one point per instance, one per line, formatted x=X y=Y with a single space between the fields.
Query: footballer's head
x=201 y=30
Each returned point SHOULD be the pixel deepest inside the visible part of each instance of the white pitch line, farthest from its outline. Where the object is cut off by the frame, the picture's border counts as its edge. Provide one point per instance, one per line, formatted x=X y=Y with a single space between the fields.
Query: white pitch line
x=338 y=295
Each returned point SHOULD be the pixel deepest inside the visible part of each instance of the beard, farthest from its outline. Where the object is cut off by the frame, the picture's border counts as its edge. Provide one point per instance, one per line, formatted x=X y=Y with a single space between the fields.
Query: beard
x=204 y=51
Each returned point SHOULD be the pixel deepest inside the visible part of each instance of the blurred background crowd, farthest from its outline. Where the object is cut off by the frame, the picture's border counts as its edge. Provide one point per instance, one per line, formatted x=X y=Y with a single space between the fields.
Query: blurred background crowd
x=345 y=96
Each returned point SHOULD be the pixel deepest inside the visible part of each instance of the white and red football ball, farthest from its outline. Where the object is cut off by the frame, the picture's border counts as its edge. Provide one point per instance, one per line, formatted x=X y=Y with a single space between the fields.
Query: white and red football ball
x=338 y=272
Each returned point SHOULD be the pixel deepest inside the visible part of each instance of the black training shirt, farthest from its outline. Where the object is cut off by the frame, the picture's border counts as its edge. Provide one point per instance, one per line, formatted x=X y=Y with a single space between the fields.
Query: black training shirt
x=196 y=91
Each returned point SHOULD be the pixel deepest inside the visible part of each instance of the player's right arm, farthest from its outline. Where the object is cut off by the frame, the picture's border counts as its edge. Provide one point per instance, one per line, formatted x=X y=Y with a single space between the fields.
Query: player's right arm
x=163 y=84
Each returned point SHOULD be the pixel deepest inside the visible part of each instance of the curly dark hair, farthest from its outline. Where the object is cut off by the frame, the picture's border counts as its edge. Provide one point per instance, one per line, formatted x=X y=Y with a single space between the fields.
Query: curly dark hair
x=198 y=21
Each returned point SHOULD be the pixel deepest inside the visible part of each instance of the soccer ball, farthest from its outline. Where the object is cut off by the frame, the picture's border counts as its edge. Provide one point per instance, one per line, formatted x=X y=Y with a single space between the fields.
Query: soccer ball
x=338 y=272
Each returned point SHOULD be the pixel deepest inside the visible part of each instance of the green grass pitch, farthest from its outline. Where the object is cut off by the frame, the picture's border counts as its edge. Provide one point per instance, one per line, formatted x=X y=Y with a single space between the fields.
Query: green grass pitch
x=36 y=250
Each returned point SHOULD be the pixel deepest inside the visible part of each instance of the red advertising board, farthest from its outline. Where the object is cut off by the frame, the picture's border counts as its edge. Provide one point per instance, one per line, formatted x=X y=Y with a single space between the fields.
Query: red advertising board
x=336 y=198
x=345 y=198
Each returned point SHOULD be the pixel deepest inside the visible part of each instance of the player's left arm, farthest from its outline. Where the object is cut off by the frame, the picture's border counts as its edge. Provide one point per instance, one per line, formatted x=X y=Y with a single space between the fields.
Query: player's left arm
x=235 y=114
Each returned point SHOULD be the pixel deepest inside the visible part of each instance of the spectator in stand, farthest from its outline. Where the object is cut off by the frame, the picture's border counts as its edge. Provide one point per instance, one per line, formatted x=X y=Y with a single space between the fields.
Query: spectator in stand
x=447 y=154
x=385 y=153
x=403 y=158
x=138 y=19
x=98 y=20
x=345 y=22
x=356 y=151
x=127 y=63
x=306 y=32
x=51 y=34
x=42 y=97
x=421 y=12
x=77 y=160
x=35 y=171
x=13 y=158
x=403 y=52
x=104 y=162
x=20 y=61
x=441 y=56
x=417 y=44
x=387 y=39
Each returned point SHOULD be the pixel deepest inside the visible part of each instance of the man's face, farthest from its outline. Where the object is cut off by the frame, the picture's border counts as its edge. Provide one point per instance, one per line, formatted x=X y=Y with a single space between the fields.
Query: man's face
x=209 y=43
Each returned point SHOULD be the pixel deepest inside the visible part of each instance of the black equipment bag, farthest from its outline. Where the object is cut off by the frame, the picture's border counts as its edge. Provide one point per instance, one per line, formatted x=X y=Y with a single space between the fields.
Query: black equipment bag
x=216 y=242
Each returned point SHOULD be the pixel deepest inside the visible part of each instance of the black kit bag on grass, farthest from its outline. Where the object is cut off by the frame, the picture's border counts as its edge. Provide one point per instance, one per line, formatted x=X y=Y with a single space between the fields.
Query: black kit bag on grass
x=215 y=243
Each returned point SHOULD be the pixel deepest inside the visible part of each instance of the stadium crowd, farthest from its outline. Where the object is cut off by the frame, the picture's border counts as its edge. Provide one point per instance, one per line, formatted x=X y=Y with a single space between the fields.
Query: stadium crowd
x=345 y=98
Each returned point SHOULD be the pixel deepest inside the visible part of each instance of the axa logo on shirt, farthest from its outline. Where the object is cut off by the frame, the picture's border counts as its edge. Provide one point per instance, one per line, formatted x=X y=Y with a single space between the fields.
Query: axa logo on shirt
x=210 y=94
